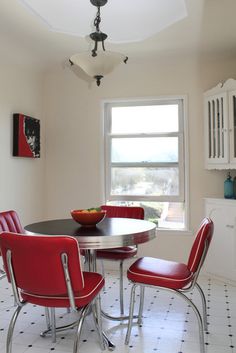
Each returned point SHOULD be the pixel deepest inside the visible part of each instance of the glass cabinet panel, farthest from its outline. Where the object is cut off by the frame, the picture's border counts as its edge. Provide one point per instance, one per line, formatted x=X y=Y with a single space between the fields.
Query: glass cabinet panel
x=234 y=124
x=216 y=127
x=220 y=126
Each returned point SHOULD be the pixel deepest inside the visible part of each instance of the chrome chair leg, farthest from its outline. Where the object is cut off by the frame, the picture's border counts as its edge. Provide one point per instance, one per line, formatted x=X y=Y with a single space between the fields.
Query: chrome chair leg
x=83 y=313
x=199 y=318
x=131 y=313
x=59 y=329
x=47 y=317
x=11 y=329
x=53 y=324
x=98 y=321
x=193 y=306
x=204 y=307
x=141 y=303
x=2 y=274
x=103 y=273
x=121 y=284
x=121 y=289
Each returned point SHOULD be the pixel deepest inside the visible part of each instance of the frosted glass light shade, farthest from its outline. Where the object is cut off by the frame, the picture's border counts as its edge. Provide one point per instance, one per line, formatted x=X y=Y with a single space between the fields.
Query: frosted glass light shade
x=100 y=65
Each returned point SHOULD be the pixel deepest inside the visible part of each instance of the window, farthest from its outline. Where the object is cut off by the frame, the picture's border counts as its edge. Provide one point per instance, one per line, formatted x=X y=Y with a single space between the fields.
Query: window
x=145 y=158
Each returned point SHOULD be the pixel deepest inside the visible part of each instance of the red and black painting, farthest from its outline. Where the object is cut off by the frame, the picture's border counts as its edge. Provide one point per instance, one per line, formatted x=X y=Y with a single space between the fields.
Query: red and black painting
x=26 y=136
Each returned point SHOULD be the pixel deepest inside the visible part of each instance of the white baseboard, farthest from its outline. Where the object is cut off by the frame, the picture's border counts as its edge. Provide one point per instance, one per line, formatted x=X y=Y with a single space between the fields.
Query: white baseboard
x=219 y=278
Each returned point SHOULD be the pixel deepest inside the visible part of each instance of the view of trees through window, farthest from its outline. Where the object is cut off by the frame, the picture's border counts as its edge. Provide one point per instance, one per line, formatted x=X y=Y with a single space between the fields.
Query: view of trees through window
x=145 y=181
x=165 y=214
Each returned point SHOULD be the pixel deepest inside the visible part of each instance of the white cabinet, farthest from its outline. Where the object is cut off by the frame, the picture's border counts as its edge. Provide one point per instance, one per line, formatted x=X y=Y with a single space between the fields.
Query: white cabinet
x=221 y=257
x=220 y=126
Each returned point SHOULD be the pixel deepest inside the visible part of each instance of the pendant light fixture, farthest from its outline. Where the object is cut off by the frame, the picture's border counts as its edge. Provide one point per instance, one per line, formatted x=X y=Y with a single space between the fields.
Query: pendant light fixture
x=98 y=62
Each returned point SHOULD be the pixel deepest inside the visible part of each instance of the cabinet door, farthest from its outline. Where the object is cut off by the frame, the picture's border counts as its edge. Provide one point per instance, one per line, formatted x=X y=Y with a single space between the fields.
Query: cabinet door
x=221 y=258
x=232 y=126
x=216 y=129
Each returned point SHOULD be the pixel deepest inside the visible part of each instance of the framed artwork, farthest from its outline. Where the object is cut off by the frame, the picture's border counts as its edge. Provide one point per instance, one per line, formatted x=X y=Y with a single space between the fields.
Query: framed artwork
x=26 y=136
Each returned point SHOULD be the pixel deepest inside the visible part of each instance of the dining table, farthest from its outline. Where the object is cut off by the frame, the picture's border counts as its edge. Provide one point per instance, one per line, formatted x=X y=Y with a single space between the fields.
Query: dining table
x=109 y=233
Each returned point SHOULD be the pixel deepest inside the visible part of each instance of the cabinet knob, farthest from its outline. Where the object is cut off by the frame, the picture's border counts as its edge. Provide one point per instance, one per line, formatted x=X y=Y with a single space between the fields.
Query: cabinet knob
x=229 y=226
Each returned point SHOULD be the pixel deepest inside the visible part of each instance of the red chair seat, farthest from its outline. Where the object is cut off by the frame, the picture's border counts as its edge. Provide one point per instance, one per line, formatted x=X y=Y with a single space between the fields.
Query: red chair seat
x=158 y=272
x=93 y=283
x=123 y=253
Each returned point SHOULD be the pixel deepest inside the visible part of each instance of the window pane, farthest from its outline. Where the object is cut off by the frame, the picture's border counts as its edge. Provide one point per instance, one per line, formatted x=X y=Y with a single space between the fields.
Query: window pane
x=145 y=181
x=165 y=214
x=145 y=119
x=158 y=149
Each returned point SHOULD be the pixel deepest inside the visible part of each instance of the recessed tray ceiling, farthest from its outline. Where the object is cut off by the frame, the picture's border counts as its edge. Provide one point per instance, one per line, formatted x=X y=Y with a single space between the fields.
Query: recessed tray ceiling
x=123 y=20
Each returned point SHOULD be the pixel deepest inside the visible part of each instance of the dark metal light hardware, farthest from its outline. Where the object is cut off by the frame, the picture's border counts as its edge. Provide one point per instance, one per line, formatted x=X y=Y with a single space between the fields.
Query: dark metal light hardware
x=100 y=62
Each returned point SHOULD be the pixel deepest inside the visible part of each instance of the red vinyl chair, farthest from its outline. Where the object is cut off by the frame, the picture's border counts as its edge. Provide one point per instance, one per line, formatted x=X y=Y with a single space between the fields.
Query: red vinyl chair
x=123 y=253
x=9 y=222
x=46 y=271
x=173 y=276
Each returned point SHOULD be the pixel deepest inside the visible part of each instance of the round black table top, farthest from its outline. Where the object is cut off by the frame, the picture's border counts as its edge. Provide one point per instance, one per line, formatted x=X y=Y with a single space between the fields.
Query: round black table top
x=110 y=233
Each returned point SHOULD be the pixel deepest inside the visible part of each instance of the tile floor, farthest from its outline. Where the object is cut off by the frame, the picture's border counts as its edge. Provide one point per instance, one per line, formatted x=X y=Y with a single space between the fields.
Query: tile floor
x=169 y=326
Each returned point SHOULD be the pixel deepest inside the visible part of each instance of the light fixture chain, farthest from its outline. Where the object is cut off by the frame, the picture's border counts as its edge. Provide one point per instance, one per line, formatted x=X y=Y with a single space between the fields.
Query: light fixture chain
x=97 y=20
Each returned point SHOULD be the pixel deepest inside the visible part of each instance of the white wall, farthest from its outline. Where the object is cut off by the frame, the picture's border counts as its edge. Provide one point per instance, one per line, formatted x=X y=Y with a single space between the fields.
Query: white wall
x=74 y=147
x=21 y=179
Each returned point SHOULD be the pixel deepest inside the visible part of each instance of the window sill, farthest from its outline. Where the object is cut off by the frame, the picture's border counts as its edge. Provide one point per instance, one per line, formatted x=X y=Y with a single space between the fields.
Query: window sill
x=175 y=232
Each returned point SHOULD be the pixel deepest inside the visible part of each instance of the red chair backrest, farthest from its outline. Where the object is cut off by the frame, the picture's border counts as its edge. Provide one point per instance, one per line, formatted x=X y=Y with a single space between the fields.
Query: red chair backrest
x=36 y=262
x=10 y=222
x=202 y=239
x=124 y=211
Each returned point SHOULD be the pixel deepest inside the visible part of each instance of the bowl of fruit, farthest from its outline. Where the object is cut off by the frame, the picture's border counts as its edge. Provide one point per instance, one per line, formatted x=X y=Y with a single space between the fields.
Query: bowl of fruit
x=88 y=217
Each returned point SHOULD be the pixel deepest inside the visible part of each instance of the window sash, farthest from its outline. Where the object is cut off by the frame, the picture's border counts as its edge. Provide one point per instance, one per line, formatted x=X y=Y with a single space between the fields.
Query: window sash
x=178 y=135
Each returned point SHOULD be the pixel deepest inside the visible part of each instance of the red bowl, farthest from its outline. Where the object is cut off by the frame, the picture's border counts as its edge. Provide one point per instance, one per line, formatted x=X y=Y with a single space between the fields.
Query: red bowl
x=88 y=218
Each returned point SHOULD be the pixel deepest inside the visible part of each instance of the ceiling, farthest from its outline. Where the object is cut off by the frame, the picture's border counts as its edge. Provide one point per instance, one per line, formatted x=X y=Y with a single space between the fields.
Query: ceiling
x=75 y=17
x=202 y=26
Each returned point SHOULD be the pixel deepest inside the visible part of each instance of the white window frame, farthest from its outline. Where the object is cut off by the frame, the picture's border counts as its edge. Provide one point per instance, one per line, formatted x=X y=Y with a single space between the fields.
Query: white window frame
x=182 y=149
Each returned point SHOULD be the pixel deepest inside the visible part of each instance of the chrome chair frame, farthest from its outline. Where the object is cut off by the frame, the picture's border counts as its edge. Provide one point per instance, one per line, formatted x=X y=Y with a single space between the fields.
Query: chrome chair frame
x=2 y=274
x=121 y=285
x=78 y=323
x=202 y=320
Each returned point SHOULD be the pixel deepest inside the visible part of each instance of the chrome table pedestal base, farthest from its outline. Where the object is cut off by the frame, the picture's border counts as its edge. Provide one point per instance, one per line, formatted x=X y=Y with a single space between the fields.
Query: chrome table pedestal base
x=126 y=317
